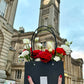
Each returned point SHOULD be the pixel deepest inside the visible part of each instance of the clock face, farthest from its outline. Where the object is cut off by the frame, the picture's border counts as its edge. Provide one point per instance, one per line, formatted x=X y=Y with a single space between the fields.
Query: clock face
x=56 y=3
x=45 y=2
x=3 y=5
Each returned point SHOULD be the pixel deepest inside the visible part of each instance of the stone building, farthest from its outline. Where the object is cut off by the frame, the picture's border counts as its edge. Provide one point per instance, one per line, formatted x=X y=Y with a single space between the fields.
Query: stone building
x=7 y=14
x=11 y=44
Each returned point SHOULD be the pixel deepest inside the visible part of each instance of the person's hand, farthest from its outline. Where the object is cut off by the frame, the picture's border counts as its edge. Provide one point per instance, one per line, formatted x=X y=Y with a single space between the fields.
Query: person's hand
x=31 y=81
x=60 y=79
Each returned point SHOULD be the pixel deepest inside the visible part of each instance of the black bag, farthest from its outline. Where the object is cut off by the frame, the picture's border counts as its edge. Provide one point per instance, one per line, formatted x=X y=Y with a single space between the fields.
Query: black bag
x=49 y=71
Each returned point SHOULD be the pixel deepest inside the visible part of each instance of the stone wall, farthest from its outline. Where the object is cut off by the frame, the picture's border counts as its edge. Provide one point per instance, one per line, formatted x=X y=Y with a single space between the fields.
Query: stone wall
x=4 y=47
x=5 y=43
x=73 y=70
x=2 y=76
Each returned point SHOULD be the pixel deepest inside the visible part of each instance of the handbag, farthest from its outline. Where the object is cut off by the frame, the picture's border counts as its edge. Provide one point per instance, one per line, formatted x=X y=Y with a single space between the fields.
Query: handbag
x=43 y=73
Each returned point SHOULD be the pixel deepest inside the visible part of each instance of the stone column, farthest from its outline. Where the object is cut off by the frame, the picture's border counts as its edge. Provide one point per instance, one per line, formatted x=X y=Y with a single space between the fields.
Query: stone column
x=68 y=67
x=2 y=76
x=22 y=77
x=65 y=80
x=65 y=63
x=13 y=12
x=69 y=81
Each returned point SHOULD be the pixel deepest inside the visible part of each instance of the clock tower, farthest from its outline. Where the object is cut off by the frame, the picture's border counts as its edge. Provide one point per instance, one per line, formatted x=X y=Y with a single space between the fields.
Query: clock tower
x=49 y=14
x=7 y=15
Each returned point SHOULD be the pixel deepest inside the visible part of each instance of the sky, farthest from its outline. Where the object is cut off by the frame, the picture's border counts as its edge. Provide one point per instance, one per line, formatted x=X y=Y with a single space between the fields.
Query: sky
x=71 y=21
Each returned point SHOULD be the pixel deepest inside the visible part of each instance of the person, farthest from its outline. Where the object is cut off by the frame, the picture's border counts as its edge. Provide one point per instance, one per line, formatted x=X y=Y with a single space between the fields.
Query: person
x=59 y=80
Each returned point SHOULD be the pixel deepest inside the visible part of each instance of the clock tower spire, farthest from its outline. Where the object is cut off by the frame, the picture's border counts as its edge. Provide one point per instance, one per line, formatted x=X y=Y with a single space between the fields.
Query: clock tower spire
x=49 y=14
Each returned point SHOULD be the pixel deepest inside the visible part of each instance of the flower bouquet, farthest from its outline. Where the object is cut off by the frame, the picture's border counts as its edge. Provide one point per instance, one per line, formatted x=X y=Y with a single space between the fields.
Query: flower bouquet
x=43 y=62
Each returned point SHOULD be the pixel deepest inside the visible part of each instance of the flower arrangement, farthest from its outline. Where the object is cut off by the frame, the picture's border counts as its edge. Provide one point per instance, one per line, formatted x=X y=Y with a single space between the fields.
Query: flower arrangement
x=27 y=50
x=66 y=47
x=46 y=55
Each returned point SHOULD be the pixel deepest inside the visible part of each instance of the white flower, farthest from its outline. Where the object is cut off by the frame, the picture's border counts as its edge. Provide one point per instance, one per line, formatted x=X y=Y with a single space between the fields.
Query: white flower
x=26 y=41
x=56 y=58
x=26 y=46
x=20 y=56
x=50 y=45
x=36 y=39
x=38 y=46
x=25 y=53
x=30 y=45
x=50 y=50
x=37 y=59
x=66 y=48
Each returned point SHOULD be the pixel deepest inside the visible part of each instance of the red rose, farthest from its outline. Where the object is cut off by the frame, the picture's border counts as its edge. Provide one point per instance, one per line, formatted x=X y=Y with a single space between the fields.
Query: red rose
x=53 y=52
x=36 y=53
x=60 y=51
x=45 y=56
x=47 y=51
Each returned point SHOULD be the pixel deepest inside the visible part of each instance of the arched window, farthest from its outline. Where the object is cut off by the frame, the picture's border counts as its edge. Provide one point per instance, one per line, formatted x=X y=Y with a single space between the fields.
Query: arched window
x=1 y=41
x=3 y=6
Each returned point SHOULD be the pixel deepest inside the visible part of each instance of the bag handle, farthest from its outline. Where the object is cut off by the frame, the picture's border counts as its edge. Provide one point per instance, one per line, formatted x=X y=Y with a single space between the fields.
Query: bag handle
x=40 y=29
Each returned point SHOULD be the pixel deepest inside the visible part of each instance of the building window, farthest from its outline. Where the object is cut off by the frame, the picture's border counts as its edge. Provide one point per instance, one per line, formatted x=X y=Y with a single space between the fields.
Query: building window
x=18 y=74
x=46 y=22
x=3 y=6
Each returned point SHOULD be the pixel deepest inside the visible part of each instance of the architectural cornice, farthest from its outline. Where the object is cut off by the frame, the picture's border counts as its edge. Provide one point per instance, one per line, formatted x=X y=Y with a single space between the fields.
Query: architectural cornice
x=30 y=33
x=77 y=62
x=18 y=64
x=22 y=34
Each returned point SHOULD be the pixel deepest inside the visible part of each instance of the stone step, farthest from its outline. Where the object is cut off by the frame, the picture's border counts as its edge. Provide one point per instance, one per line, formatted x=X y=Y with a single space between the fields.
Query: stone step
x=1 y=40
x=2 y=72
x=2 y=81
x=1 y=35
x=3 y=76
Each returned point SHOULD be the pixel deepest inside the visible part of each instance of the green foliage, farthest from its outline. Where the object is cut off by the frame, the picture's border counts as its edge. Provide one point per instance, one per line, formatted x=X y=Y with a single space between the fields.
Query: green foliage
x=21 y=57
x=59 y=55
x=71 y=42
x=68 y=43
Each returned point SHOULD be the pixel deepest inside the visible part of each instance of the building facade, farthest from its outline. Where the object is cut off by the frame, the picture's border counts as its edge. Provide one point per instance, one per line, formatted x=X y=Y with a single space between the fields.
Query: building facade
x=11 y=42
x=7 y=14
